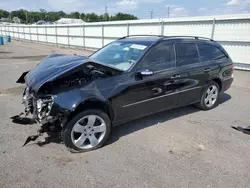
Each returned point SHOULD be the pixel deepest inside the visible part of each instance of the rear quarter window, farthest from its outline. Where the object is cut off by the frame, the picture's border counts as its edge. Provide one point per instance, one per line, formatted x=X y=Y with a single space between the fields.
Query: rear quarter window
x=210 y=53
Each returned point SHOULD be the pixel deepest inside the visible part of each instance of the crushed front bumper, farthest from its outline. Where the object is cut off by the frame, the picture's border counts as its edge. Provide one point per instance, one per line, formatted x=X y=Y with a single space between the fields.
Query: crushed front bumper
x=38 y=106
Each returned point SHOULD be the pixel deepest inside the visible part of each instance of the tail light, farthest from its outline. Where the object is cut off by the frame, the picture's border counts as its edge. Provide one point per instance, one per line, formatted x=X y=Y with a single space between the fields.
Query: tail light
x=232 y=70
x=229 y=72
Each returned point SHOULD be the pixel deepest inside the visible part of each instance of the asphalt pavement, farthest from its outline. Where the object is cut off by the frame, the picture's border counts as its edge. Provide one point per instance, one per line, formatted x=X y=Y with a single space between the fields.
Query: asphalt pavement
x=180 y=148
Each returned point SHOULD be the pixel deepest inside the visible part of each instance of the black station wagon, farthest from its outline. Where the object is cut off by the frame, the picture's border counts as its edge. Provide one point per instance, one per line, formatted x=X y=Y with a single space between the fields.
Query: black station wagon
x=130 y=78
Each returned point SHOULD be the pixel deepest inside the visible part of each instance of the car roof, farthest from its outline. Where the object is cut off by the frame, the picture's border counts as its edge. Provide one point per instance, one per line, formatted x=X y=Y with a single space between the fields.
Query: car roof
x=151 y=39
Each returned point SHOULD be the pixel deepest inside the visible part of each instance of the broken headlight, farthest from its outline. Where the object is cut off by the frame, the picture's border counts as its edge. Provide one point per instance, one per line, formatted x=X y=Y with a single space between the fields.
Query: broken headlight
x=44 y=106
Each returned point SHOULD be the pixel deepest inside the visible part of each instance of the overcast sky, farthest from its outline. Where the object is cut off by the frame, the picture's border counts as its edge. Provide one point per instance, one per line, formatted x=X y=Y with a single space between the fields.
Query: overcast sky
x=140 y=8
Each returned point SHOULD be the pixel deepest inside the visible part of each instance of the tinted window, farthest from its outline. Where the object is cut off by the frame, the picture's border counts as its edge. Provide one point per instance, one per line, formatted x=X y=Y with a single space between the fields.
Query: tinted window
x=159 y=58
x=210 y=53
x=186 y=54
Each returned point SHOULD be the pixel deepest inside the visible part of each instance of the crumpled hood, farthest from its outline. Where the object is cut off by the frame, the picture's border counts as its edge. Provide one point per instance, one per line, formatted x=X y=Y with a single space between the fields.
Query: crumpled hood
x=56 y=65
x=52 y=67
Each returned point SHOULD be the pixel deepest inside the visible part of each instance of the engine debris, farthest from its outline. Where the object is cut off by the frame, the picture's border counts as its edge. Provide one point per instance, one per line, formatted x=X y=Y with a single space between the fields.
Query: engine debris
x=241 y=129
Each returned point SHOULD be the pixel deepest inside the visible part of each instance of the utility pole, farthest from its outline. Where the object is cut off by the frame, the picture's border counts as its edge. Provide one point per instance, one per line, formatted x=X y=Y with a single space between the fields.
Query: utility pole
x=151 y=14
x=168 y=11
x=10 y=18
x=106 y=12
x=106 y=9
x=26 y=14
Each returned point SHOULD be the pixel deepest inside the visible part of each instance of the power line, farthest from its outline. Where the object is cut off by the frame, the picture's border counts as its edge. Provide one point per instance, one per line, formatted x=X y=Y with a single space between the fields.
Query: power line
x=151 y=14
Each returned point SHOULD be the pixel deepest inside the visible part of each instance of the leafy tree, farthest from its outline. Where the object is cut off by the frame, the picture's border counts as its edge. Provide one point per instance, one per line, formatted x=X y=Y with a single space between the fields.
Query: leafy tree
x=83 y=16
x=35 y=16
x=20 y=14
x=4 y=13
x=74 y=15
x=105 y=17
x=122 y=16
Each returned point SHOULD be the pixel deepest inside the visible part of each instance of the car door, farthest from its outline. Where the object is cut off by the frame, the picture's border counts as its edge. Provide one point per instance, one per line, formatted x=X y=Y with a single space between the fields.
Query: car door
x=151 y=87
x=188 y=63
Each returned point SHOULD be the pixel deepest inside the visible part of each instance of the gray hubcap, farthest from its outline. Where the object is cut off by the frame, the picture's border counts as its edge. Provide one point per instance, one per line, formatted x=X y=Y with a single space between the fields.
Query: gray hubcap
x=88 y=132
x=211 y=96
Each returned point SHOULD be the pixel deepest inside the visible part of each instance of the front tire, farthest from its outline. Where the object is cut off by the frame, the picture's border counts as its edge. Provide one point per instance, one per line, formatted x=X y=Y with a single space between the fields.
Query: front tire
x=87 y=131
x=210 y=96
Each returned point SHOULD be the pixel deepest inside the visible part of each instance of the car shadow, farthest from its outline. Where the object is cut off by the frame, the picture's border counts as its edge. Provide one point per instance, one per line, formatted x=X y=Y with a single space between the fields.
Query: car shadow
x=145 y=122
x=224 y=98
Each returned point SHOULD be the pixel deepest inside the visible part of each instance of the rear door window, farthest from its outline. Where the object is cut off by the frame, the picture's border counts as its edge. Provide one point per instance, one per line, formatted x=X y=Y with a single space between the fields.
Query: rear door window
x=186 y=54
x=159 y=58
x=210 y=53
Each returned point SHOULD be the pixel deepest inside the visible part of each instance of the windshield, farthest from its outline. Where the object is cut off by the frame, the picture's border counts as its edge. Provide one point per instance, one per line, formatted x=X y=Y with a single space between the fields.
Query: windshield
x=120 y=54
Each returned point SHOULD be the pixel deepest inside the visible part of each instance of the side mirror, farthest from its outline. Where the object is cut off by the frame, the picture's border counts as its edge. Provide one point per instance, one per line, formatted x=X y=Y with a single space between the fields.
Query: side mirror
x=145 y=72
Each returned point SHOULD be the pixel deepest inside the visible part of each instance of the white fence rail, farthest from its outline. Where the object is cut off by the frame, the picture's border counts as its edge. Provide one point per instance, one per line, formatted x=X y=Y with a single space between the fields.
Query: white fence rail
x=232 y=31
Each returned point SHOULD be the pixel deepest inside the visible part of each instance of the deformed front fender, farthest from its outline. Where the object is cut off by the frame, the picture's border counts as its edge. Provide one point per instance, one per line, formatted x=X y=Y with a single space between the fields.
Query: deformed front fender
x=69 y=102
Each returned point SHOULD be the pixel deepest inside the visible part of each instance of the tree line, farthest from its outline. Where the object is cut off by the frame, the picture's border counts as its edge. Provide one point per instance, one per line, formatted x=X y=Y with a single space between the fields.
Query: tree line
x=34 y=16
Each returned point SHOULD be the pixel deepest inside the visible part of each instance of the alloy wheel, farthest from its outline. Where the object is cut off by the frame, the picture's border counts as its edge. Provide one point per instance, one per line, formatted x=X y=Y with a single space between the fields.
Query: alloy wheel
x=211 y=96
x=88 y=132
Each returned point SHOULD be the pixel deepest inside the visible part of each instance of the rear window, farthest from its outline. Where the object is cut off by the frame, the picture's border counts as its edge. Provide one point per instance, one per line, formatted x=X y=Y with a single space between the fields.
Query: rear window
x=186 y=54
x=210 y=53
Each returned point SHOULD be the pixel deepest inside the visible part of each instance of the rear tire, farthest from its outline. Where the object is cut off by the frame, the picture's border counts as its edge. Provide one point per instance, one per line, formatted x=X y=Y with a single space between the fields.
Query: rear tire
x=209 y=97
x=87 y=131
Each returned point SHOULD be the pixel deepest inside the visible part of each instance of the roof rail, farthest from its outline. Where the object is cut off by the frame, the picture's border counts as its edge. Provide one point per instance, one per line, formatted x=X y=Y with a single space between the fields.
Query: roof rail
x=142 y=36
x=162 y=37
x=195 y=37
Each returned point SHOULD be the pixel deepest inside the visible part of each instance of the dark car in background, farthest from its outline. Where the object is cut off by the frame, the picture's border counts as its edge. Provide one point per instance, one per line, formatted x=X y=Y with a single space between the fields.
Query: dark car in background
x=130 y=78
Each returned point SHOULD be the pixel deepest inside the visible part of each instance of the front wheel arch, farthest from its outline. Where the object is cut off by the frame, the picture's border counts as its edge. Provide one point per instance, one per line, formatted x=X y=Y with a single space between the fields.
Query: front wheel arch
x=94 y=104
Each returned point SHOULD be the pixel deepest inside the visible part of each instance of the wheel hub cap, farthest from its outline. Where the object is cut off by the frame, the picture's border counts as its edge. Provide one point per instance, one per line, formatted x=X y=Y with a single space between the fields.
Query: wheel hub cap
x=88 y=132
x=211 y=96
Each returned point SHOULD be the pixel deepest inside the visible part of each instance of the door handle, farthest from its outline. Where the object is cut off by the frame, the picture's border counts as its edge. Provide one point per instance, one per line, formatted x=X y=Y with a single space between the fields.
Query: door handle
x=167 y=83
x=175 y=76
x=207 y=70
x=157 y=91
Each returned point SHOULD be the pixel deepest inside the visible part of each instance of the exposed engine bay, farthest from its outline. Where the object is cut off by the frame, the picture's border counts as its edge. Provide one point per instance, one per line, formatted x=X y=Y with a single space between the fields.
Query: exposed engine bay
x=76 y=78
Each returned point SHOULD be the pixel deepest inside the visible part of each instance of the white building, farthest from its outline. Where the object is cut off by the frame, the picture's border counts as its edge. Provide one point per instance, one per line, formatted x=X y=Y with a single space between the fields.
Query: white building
x=69 y=21
x=16 y=20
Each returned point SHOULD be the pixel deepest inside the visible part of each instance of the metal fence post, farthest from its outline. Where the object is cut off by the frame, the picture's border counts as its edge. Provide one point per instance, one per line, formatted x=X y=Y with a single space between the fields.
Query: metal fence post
x=213 y=27
x=102 y=35
x=37 y=35
x=162 y=28
x=46 y=34
x=18 y=32
x=83 y=36
x=30 y=33
x=128 y=29
x=56 y=35
x=68 y=35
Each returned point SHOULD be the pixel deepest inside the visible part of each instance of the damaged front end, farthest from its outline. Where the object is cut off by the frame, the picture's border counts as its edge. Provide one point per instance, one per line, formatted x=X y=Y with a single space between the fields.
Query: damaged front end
x=38 y=106
x=54 y=88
